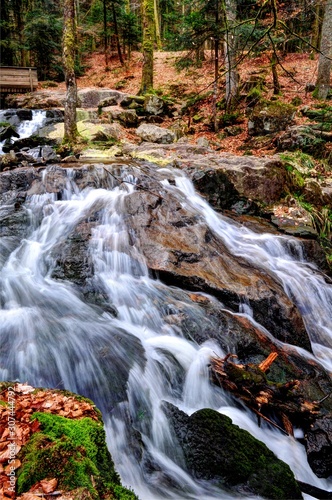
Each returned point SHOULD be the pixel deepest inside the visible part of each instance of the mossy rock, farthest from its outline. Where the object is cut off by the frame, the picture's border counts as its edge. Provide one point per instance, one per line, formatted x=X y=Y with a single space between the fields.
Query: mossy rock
x=216 y=449
x=270 y=117
x=75 y=453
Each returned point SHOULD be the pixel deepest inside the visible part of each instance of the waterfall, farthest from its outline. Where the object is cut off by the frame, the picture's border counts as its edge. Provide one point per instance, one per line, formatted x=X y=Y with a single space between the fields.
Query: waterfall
x=310 y=292
x=131 y=360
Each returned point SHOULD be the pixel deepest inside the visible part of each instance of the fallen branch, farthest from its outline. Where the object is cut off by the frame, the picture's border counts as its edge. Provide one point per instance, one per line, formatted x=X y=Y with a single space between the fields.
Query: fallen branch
x=269 y=400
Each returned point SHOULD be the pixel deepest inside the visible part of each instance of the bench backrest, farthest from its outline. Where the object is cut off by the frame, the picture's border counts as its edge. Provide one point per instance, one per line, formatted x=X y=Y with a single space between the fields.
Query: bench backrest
x=16 y=80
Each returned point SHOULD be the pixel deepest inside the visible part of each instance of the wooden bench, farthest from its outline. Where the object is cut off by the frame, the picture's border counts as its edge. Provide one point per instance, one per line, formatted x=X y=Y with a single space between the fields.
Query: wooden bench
x=17 y=80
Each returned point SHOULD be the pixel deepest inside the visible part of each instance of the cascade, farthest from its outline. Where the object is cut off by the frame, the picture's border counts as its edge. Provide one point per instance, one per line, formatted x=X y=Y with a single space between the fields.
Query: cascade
x=25 y=128
x=128 y=363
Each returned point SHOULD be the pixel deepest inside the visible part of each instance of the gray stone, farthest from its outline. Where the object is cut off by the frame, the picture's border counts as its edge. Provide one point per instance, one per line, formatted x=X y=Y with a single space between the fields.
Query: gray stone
x=270 y=118
x=153 y=105
x=127 y=117
x=92 y=98
x=152 y=133
x=202 y=142
x=302 y=137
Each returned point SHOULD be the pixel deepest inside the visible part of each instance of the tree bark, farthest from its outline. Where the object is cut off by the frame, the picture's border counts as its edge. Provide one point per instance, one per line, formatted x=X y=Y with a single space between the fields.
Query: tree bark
x=157 y=24
x=105 y=35
x=324 y=62
x=216 y=72
x=68 y=54
x=230 y=45
x=147 y=45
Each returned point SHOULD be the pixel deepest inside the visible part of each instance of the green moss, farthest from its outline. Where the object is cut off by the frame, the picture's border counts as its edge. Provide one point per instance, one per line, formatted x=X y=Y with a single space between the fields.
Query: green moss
x=74 y=452
x=255 y=94
x=277 y=108
x=237 y=457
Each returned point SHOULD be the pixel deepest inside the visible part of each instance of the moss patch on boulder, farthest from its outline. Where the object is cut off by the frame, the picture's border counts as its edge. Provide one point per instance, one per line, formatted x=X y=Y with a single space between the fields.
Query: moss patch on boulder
x=75 y=453
x=216 y=449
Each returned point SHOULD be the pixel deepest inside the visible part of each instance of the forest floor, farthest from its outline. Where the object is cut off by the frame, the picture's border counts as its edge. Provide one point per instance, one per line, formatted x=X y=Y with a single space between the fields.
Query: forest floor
x=295 y=72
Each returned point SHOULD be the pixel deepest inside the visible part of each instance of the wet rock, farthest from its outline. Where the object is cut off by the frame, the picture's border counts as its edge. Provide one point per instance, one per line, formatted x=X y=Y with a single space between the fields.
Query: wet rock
x=17 y=183
x=8 y=133
x=319 y=446
x=152 y=133
x=172 y=239
x=24 y=114
x=73 y=259
x=28 y=143
x=224 y=179
x=216 y=449
x=54 y=116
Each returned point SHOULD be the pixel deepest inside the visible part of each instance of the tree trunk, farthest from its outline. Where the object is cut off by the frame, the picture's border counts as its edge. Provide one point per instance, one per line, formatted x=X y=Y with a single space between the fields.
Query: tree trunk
x=216 y=72
x=276 y=83
x=157 y=24
x=68 y=54
x=147 y=45
x=116 y=32
x=324 y=62
x=105 y=35
x=230 y=49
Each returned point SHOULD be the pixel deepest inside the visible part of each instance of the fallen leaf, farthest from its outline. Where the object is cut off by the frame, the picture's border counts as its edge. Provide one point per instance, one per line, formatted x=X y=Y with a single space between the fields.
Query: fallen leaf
x=49 y=485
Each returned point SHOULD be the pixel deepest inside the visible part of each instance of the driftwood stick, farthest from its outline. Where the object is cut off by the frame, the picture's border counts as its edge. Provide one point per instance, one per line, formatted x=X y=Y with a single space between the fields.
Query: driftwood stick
x=265 y=365
x=269 y=421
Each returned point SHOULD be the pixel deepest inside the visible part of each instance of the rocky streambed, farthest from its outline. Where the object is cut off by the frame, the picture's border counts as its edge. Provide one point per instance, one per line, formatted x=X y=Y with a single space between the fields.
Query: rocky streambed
x=170 y=275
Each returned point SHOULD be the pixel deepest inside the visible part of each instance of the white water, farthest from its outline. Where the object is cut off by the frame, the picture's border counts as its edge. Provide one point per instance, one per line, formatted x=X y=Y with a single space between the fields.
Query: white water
x=309 y=291
x=26 y=128
x=51 y=337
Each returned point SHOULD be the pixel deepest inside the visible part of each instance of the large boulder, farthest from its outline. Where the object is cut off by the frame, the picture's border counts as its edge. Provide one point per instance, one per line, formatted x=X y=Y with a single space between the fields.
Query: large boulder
x=223 y=179
x=270 y=117
x=152 y=133
x=127 y=117
x=60 y=449
x=319 y=446
x=7 y=132
x=304 y=138
x=184 y=252
x=92 y=98
x=216 y=449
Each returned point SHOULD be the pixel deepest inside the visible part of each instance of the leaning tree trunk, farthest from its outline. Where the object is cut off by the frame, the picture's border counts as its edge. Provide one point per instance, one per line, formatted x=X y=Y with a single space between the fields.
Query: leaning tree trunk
x=147 y=45
x=324 y=63
x=230 y=46
x=68 y=55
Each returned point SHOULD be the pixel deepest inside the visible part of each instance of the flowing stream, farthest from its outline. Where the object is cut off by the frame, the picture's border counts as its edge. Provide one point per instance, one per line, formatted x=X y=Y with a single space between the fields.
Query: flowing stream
x=129 y=363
